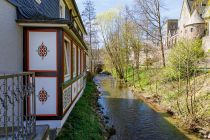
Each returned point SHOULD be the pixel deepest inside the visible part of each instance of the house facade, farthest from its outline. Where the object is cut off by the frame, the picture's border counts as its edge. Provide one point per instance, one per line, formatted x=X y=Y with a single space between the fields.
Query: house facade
x=194 y=22
x=191 y=22
x=45 y=37
x=11 y=40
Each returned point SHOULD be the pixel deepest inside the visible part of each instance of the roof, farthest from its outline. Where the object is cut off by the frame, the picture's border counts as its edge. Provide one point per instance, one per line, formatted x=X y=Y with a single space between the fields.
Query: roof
x=14 y=2
x=173 y=20
x=195 y=19
x=47 y=10
x=190 y=5
x=30 y=9
x=188 y=8
x=78 y=13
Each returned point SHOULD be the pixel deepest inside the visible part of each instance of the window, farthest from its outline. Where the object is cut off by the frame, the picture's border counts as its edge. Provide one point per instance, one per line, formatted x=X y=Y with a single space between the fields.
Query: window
x=70 y=13
x=62 y=9
x=79 y=61
x=75 y=24
x=191 y=29
x=85 y=62
x=67 y=60
x=203 y=4
x=74 y=61
x=81 y=56
x=38 y=1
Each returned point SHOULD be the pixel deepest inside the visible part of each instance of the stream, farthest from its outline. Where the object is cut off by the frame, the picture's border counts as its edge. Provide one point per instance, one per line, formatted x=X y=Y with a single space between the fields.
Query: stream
x=131 y=117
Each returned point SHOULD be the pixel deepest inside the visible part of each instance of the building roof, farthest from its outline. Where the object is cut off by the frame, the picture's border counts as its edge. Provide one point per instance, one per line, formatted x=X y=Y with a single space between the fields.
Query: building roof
x=47 y=10
x=195 y=19
x=172 y=20
x=14 y=2
x=78 y=13
x=30 y=9
x=190 y=5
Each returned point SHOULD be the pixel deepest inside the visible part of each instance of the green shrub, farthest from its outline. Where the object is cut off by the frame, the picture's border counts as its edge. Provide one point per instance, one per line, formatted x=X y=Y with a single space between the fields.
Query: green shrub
x=185 y=57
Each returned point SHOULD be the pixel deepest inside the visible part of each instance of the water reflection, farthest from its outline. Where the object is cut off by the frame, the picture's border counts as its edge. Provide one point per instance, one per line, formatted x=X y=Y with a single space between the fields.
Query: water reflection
x=132 y=118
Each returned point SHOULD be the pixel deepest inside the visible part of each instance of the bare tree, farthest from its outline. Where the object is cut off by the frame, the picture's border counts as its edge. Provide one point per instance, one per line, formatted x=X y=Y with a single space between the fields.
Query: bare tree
x=110 y=25
x=89 y=16
x=147 y=15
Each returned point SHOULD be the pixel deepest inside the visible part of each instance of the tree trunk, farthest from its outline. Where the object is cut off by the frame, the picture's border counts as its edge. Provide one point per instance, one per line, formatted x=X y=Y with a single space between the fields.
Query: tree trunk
x=163 y=54
x=187 y=89
x=161 y=45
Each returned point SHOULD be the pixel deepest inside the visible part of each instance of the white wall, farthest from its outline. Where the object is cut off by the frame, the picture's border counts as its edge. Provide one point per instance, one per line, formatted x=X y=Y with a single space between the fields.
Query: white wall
x=184 y=18
x=11 y=40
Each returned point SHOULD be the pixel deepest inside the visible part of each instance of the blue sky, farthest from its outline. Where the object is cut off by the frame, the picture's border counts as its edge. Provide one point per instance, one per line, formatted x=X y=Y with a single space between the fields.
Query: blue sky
x=173 y=7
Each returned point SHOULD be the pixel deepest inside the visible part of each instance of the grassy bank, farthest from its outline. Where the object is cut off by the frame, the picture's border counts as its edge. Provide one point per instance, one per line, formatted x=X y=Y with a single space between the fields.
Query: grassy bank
x=158 y=89
x=83 y=122
x=167 y=95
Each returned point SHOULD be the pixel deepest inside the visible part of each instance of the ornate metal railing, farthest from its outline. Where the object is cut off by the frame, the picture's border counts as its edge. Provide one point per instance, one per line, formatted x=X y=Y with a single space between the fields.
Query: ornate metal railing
x=17 y=106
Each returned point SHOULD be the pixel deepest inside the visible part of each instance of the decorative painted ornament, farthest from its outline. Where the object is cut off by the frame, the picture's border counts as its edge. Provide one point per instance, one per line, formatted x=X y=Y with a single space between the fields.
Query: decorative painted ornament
x=42 y=51
x=43 y=96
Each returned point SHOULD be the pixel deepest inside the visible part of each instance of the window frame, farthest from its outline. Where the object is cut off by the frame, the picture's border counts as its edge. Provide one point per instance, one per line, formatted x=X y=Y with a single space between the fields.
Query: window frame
x=79 y=60
x=74 y=54
x=62 y=9
x=82 y=61
x=67 y=58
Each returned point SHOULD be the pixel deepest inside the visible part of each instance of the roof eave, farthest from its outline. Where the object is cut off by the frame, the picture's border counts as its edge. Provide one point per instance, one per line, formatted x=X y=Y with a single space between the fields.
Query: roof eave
x=65 y=26
x=77 y=10
x=28 y=23
x=191 y=24
x=50 y=21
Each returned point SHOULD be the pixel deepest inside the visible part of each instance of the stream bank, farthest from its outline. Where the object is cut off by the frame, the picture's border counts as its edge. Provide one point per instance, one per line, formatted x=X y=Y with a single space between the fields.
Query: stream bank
x=130 y=116
x=85 y=121
x=170 y=116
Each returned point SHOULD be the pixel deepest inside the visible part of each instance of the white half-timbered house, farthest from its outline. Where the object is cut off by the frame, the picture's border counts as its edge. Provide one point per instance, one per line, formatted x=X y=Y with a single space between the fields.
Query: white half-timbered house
x=44 y=37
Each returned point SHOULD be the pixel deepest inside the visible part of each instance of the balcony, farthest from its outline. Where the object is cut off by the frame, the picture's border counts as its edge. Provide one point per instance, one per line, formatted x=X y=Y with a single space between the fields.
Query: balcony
x=17 y=107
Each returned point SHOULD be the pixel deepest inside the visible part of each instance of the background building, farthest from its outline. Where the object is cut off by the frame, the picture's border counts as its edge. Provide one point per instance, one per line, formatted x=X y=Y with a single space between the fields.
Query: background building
x=169 y=33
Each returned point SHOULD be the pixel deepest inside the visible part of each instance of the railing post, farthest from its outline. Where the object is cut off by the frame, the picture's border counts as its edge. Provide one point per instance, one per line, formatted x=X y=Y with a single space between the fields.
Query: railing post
x=18 y=101
x=6 y=109
x=22 y=107
x=34 y=103
x=13 y=107
x=26 y=103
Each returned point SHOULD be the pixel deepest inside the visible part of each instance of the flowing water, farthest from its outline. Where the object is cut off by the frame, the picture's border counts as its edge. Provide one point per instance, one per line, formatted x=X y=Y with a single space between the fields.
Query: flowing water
x=131 y=117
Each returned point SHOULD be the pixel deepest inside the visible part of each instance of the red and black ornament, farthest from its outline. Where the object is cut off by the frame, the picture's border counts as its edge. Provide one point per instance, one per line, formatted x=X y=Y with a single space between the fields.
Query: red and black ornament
x=42 y=51
x=43 y=96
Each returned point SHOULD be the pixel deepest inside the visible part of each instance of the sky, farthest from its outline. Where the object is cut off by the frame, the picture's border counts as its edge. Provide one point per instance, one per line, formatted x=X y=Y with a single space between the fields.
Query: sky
x=172 y=7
